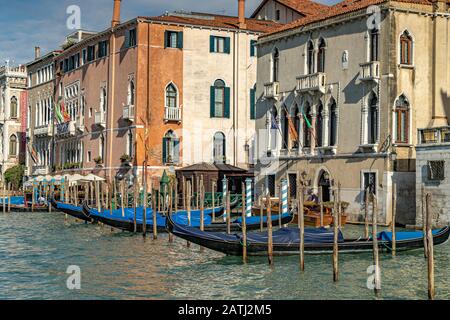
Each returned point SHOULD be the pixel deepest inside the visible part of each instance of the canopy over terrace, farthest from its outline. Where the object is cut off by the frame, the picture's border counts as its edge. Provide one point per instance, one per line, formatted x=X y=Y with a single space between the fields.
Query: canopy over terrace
x=72 y=179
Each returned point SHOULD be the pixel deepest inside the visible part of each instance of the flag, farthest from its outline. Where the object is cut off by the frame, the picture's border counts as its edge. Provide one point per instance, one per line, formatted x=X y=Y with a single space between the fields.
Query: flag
x=306 y=118
x=274 y=124
x=58 y=115
x=292 y=129
x=33 y=154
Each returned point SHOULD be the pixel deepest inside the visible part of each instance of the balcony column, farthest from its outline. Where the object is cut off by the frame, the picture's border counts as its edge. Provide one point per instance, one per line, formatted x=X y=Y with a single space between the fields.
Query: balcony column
x=326 y=126
x=364 y=124
x=300 y=132
x=313 y=127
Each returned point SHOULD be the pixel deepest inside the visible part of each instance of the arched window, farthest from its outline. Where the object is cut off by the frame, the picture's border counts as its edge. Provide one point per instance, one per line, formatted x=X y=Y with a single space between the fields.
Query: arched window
x=103 y=100
x=219 y=151
x=102 y=148
x=402 y=120
x=310 y=58
x=373 y=119
x=373 y=44
x=333 y=123
x=406 y=48
x=296 y=120
x=307 y=126
x=275 y=65
x=319 y=125
x=219 y=99
x=274 y=128
x=131 y=93
x=285 y=121
x=130 y=143
x=13 y=107
x=171 y=148
x=171 y=96
x=321 y=56
x=13 y=145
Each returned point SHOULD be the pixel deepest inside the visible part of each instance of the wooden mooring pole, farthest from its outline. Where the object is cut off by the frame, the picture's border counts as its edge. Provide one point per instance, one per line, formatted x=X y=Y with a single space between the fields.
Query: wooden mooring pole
x=366 y=213
x=430 y=248
x=154 y=212
x=336 y=238
x=376 y=258
x=244 y=225
x=135 y=198
x=424 y=222
x=301 y=225
x=394 y=216
x=188 y=208
x=261 y=211
x=228 y=203
x=213 y=188
x=321 y=205
x=269 y=231
x=171 y=205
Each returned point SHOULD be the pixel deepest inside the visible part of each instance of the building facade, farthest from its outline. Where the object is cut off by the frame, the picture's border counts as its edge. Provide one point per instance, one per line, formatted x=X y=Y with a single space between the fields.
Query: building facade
x=341 y=95
x=40 y=128
x=287 y=11
x=13 y=112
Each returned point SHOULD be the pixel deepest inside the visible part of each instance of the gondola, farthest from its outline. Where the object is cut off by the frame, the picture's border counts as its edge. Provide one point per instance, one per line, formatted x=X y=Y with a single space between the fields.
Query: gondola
x=116 y=220
x=286 y=240
x=19 y=204
x=71 y=210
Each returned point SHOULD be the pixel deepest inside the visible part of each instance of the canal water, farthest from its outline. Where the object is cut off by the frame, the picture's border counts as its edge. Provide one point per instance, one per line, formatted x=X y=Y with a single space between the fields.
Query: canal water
x=36 y=250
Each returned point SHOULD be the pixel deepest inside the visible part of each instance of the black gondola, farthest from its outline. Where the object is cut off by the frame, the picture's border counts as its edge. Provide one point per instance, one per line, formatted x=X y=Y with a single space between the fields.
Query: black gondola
x=286 y=241
x=71 y=210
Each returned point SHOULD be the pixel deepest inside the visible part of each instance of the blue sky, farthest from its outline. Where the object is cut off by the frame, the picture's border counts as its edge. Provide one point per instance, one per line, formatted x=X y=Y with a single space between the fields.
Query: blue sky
x=25 y=24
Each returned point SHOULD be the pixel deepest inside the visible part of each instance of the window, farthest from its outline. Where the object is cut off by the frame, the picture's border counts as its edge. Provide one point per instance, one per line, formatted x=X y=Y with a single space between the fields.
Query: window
x=285 y=131
x=370 y=183
x=219 y=44
x=131 y=93
x=307 y=126
x=253 y=103
x=401 y=120
x=271 y=185
x=436 y=170
x=130 y=143
x=171 y=148
x=101 y=152
x=253 y=49
x=296 y=116
x=373 y=120
x=90 y=53
x=274 y=128
x=319 y=126
x=89 y=156
x=333 y=123
x=13 y=108
x=102 y=49
x=220 y=100
x=13 y=146
x=275 y=65
x=171 y=96
x=321 y=56
x=103 y=100
x=131 y=41
x=277 y=15
x=373 y=45
x=310 y=58
x=219 y=148
x=292 y=179
x=174 y=39
x=84 y=56
x=406 y=48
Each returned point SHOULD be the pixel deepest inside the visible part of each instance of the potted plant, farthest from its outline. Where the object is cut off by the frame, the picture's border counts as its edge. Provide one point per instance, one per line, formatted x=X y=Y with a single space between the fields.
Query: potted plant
x=98 y=161
x=125 y=158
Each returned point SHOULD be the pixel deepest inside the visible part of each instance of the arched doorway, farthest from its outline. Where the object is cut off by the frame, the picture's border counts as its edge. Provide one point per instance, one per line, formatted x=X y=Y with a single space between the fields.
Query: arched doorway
x=324 y=182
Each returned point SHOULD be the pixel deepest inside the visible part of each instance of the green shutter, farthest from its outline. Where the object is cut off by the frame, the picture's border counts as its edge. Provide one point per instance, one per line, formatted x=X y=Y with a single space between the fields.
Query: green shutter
x=227 y=45
x=166 y=38
x=211 y=44
x=164 y=151
x=176 y=151
x=213 y=100
x=180 y=40
x=252 y=48
x=127 y=39
x=252 y=104
x=227 y=103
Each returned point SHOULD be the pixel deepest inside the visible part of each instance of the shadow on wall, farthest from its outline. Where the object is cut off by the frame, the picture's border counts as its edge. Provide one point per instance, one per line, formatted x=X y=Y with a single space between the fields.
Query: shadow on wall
x=446 y=103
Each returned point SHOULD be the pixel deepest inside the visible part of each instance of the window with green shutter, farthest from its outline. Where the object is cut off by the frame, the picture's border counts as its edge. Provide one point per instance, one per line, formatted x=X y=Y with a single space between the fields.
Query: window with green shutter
x=171 y=148
x=253 y=103
x=253 y=48
x=220 y=100
x=219 y=44
x=173 y=39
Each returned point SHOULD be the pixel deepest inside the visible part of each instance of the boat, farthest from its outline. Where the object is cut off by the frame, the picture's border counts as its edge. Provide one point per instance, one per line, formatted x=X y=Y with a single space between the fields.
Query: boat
x=20 y=204
x=125 y=220
x=286 y=240
x=71 y=210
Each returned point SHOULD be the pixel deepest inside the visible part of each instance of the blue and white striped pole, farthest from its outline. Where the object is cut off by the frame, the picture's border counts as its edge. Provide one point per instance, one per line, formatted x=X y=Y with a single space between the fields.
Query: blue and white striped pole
x=63 y=199
x=224 y=195
x=248 y=197
x=284 y=196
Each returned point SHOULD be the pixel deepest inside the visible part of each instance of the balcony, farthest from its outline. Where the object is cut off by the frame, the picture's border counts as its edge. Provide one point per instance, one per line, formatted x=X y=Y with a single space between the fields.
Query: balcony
x=41 y=170
x=66 y=129
x=272 y=90
x=43 y=131
x=370 y=71
x=172 y=114
x=434 y=135
x=100 y=119
x=129 y=113
x=312 y=82
x=80 y=123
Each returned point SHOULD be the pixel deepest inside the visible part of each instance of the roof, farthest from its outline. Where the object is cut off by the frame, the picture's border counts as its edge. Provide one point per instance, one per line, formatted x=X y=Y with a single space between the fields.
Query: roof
x=304 y=7
x=218 y=21
x=51 y=54
x=205 y=166
x=346 y=6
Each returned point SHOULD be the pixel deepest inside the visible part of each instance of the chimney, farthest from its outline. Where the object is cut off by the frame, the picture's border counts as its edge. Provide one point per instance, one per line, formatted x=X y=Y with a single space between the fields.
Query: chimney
x=37 y=52
x=241 y=9
x=116 y=13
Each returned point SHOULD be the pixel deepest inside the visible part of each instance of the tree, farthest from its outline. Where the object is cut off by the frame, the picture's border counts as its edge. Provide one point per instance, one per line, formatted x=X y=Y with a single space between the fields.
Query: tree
x=15 y=175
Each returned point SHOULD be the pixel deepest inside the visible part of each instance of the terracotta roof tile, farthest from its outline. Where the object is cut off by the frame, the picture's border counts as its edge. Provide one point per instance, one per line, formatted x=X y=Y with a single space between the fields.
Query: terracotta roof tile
x=219 y=21
x=304 y=7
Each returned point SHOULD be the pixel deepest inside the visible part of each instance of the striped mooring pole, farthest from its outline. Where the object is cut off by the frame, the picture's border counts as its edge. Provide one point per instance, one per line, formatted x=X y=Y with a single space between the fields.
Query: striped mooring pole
x=248 y=197
x=284 y=196
x=62 y=196
x=224 y=195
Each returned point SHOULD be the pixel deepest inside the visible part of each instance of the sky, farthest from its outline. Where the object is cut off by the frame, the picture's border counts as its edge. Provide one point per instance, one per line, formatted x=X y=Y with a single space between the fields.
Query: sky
x=25 y=24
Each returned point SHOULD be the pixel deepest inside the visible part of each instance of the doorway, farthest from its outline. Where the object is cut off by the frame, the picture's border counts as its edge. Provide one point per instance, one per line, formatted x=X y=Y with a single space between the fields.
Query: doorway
x=324 y=182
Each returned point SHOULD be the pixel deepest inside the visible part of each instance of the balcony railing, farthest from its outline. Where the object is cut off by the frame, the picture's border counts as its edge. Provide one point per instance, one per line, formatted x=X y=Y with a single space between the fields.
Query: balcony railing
x=42 y=131
x=129 y=113
x=312 y=82
x=370 y=71
x=172 y=114
x=434 y=135
x=41 y=170
x=66 y=129
x=272 y=90
x=80 y=123
x=100 y=119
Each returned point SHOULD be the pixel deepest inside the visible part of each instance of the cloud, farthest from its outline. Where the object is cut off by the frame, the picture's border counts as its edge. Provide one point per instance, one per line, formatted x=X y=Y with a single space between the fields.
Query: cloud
x=25 y=24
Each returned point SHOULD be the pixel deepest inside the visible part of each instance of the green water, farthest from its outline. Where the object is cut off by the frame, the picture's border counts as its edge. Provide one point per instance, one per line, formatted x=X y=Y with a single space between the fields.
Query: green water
x=36 y=249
